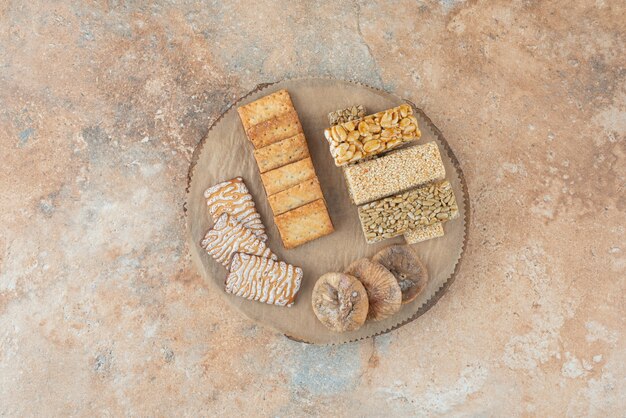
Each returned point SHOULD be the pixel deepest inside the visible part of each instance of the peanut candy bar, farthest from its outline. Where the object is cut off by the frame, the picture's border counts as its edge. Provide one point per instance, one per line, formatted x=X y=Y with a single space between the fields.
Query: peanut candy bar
x=372 y=135
x=394 y=215
x=394 y=173
x=232 y=197
x=345 y=115
x=229 y=237
x=263 y=280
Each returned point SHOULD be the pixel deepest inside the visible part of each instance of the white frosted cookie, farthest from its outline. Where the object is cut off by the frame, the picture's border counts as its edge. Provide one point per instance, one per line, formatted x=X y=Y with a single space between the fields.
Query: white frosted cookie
x=263 y=280
x=229 y=237
x=232 y=197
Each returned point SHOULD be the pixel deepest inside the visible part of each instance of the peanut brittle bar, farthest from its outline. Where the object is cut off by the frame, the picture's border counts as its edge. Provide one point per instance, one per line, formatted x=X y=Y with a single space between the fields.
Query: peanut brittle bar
x=356 y=139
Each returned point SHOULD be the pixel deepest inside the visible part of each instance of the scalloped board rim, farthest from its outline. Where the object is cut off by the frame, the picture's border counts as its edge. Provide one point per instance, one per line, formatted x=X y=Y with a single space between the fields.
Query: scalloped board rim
x=445 y=148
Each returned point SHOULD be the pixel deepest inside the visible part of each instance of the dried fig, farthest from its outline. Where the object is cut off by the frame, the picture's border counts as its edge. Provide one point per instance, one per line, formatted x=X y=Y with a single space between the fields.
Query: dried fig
x=406 y=267
x=340 y=302
x=383 y=291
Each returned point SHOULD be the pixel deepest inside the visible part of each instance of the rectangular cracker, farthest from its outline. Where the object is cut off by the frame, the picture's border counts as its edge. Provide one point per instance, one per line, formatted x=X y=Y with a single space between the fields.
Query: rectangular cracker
x=228 y=237
x=264 y=280
x=394 y=173
x=304 y=224
x=424 y=233
x=296 y=196
x=281 y=153
x=398 y=214
x=287 y=176
x=265 y=108
x=275 y=129
x=232 y=197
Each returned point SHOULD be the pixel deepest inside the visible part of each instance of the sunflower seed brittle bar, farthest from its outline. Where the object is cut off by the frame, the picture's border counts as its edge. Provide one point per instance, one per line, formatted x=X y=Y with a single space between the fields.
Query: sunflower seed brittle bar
x=345 y=115
x=395 y=215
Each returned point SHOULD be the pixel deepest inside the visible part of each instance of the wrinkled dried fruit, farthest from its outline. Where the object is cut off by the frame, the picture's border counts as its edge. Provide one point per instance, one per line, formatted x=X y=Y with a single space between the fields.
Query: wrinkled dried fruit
x=383 y=290
x=340 y=302
x=406 y=267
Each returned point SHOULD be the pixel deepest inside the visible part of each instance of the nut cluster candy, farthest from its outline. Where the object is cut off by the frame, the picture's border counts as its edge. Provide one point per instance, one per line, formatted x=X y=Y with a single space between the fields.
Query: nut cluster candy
x=356 y=139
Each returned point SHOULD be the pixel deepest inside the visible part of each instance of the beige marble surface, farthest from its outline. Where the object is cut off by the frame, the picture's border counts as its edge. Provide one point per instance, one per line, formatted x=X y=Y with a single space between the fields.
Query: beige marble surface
x=101 y=105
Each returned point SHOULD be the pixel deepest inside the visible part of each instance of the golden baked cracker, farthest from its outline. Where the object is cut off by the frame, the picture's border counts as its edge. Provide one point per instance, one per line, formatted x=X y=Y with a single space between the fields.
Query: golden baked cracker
x=287 y=176
x=296 y=196
x=275 y=129
x=263 y=280
x=229 y=237
x=304 y=224
x=265 y=108
x=232 y=197
x=281 y=153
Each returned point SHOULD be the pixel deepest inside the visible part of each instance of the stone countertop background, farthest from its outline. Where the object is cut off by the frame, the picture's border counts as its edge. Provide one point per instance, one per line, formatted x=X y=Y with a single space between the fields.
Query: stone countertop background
x=102 y=104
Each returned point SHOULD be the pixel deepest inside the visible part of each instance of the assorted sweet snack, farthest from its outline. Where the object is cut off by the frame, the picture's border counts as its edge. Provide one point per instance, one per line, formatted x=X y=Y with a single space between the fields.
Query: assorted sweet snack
x=406 y=267
x=263 y=279
x=395 y=215
x=281 y=151
x=228 y=237
x=340 y=302
x=304 y=224
x=399 y=189
x=383 y=131
x=394 y=173
x=232 y=197
x=237 y=241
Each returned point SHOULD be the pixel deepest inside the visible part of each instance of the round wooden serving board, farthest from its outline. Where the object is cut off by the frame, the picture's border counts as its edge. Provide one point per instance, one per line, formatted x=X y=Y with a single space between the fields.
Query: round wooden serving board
x=226 y=153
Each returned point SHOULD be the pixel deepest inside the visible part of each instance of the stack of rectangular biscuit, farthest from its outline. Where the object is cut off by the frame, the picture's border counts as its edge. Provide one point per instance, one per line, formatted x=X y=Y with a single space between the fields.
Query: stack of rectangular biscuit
x=280 y=149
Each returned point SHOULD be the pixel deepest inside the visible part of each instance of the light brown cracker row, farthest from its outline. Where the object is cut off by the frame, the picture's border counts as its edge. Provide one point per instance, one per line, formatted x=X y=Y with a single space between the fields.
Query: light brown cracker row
x=394 y=173
x=374 y=134
x=304 y=224
x=281 y=153
x=265 y=108
x=232 y=197
x=287 y=176
x=275 y=129
x=345 y=115
x=424 y=233
x=296 y=196
x=395 y=215
x=263 y=280
x=229 y=237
